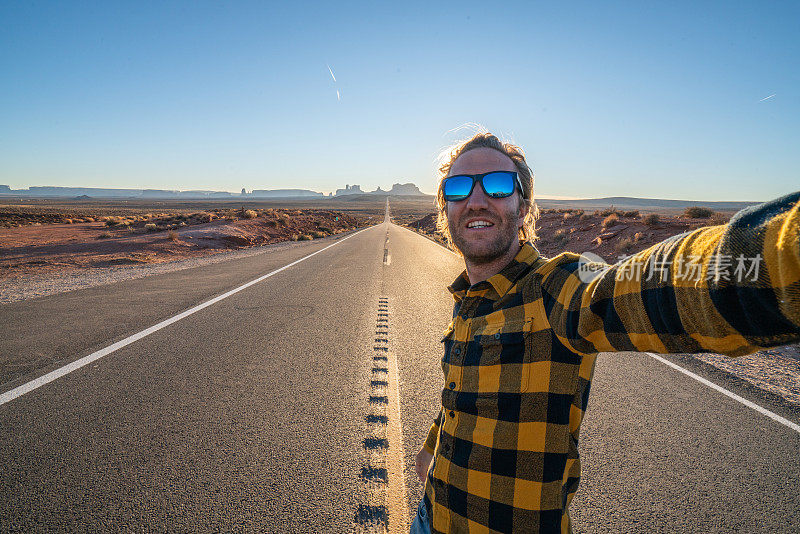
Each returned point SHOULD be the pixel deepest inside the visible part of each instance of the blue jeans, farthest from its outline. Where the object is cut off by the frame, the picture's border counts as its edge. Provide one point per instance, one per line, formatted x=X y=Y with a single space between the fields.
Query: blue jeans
x=421 y=524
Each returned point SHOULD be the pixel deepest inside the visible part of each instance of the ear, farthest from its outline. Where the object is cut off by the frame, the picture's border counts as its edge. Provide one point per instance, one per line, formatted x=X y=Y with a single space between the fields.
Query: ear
x=523 y=211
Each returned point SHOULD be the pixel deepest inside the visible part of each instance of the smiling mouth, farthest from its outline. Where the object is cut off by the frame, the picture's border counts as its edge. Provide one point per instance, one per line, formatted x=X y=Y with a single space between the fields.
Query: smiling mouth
x=479 y=224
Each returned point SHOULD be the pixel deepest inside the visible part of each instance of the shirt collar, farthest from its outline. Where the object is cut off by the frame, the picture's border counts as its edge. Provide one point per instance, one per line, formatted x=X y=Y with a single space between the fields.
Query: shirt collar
x=502 y=281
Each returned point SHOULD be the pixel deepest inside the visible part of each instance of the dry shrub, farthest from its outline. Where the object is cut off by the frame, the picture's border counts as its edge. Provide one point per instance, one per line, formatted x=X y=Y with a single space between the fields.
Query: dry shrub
x=105 y=235
x=316 y=234
x=295 y=237
x=610 y=220
x=637 y=237
x=249 y=214
x=623 y=245
x=609 y=211
x=151 y=227
x=584 y=217
x=173 y=235
x=67 y=221
x=271 y=223
x=698 y=212
x=633 y=214
x=569 y=214
x=305 y=237
x=325 y=229
x=652 y=219
x=560 y=236
x=89 y=219
x=718 y=218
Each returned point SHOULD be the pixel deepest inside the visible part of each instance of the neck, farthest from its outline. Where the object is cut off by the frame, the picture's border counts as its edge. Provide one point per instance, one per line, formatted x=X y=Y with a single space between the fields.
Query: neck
x=478 y=272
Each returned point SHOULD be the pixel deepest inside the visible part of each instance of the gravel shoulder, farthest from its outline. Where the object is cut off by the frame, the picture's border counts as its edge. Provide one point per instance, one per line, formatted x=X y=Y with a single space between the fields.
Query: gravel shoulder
x=776 y=371
x=33 y=284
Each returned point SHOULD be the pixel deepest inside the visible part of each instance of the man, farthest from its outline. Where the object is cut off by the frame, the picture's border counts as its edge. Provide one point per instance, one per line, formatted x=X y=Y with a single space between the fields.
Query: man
x=502 y=456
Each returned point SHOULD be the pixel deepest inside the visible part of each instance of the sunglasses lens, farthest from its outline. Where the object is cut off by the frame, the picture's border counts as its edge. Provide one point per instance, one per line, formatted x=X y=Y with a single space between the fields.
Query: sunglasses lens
x=457 y=187
x=499 y=184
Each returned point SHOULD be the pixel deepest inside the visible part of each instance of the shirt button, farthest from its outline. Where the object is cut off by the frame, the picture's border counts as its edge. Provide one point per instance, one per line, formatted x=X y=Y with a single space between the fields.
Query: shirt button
x=452 y=414
x=457 y=350
x=497 y=336
x=452 y=385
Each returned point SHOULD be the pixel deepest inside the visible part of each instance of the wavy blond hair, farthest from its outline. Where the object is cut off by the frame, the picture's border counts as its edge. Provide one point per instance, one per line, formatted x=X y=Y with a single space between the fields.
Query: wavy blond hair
x=488 y=140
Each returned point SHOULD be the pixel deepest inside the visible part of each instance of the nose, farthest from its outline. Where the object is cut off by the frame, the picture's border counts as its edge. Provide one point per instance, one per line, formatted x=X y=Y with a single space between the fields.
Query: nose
x=478 y=199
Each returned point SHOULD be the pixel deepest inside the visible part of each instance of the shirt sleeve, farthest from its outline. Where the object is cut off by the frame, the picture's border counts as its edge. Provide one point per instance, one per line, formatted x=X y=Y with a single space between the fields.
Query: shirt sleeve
x=433 y=434
x=732 y=289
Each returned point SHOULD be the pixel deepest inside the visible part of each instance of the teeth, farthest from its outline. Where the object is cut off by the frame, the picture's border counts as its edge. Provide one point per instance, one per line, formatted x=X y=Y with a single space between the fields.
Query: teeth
x=479 y=224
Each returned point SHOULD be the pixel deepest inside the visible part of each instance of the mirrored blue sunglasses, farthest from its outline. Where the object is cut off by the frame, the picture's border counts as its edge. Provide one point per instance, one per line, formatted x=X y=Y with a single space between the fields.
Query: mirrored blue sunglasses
x=496 y=184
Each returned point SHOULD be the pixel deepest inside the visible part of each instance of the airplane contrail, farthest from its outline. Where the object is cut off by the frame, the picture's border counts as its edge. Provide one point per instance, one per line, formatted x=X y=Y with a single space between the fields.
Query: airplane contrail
x=766 y=98
x=329 y=70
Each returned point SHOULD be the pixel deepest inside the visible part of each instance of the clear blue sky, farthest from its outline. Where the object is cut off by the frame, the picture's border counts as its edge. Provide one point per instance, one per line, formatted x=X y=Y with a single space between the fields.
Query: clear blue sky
x=606 y=98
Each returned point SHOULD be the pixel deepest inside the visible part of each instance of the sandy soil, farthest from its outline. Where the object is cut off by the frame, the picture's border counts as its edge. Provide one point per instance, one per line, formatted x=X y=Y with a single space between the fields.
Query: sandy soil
x=45 y=246
x=611 y=234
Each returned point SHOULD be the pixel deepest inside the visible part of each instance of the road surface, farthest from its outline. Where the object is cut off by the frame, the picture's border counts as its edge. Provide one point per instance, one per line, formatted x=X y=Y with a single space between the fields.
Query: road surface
x=297 y=404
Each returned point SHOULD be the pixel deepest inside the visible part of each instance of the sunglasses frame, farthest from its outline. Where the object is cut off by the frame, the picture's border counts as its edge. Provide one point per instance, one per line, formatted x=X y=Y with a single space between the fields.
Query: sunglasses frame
x=479 y=178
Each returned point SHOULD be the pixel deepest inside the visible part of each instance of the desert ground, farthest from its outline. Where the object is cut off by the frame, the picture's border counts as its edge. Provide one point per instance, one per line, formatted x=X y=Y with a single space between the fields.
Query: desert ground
x=51 y=236
x=610 y=233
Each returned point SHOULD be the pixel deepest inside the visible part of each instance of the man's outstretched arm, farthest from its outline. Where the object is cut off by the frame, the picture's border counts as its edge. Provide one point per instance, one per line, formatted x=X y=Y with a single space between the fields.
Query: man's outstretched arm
x=731 y=289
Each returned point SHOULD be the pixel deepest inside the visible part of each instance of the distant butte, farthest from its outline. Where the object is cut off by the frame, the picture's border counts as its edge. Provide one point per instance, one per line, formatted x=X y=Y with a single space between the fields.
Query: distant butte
x=397 y=189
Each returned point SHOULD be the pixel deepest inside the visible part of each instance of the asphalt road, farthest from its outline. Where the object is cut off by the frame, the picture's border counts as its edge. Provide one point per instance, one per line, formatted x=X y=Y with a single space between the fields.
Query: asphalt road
x=259 y=412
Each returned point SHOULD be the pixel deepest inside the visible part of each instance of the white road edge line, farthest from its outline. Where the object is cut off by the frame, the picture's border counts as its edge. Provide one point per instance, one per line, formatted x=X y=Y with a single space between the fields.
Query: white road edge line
x=86 y=360
x=725 y=392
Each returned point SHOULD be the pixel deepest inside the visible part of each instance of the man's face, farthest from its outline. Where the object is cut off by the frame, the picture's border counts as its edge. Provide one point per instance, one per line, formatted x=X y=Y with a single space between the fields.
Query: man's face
x=481 y=245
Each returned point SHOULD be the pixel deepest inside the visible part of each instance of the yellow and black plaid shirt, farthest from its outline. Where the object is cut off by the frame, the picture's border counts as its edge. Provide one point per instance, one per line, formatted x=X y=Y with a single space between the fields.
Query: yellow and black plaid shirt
x=520 y=352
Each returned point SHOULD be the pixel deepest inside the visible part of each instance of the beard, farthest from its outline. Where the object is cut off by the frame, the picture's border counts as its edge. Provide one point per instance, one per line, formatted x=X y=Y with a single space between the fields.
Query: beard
x=479 y=249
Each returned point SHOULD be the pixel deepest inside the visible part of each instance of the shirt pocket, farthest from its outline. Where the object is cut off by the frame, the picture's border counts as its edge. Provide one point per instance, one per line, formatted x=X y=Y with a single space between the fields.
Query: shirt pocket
x=502 y=358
